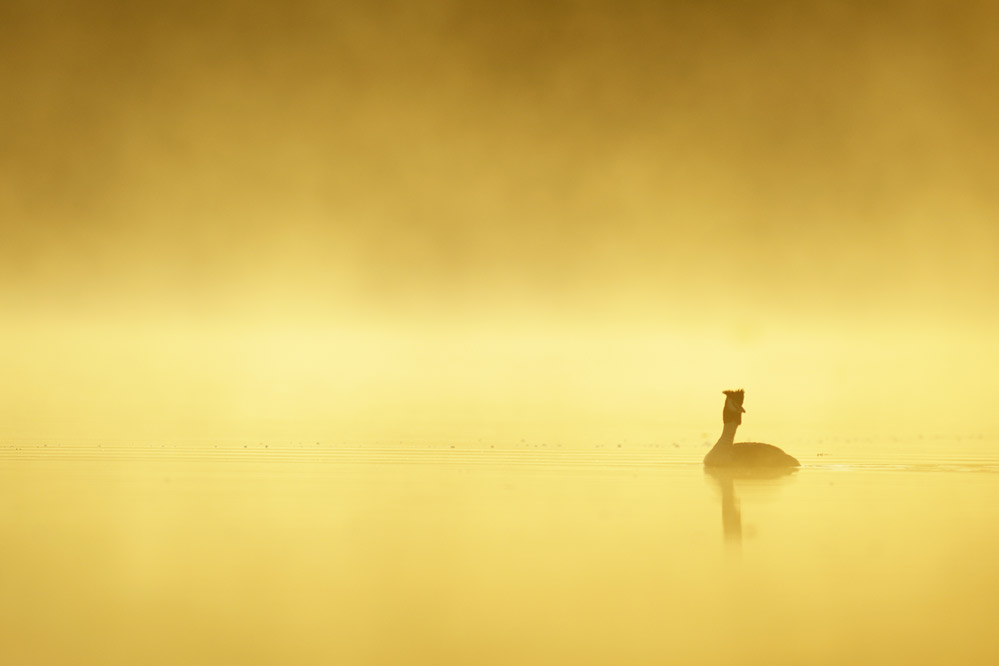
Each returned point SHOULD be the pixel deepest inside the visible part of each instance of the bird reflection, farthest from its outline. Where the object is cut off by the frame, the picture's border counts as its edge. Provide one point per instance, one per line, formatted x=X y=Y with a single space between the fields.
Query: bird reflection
x=725 y=479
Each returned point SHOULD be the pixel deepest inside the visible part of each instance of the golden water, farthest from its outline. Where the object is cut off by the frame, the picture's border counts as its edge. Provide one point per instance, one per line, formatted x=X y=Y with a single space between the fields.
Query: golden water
x=312 y=553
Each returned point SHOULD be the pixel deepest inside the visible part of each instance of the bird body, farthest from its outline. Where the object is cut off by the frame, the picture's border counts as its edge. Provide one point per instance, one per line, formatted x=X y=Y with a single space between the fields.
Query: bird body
x=729 y=453
x=750 y=454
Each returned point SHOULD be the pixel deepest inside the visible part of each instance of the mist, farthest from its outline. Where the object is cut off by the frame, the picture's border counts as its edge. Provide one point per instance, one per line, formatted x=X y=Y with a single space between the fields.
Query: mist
x=553 y=221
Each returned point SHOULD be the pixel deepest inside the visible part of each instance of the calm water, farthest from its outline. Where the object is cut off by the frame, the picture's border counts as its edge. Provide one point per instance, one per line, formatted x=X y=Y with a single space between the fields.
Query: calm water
x=312 y=554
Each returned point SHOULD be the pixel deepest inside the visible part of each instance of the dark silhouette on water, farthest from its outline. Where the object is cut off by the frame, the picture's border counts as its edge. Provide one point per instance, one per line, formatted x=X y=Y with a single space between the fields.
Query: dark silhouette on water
x=729 y=453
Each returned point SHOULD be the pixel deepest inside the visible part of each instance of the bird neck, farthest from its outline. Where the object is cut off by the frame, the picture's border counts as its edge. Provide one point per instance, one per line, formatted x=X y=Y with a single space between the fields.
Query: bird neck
x=728 y=434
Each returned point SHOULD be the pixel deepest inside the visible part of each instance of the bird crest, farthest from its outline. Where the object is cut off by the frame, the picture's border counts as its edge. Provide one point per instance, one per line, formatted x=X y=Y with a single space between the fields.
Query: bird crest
x=736 y=396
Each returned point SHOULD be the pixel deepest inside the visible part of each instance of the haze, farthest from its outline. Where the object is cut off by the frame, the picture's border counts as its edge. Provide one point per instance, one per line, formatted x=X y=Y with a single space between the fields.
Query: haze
x=559 y=221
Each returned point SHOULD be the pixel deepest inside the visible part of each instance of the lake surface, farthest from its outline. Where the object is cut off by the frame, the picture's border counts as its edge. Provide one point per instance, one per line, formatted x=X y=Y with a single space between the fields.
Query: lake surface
x=306 y=553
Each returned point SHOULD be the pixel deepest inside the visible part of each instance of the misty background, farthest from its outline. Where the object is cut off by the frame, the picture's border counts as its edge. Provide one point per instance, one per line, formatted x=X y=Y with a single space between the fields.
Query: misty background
x=540 y=220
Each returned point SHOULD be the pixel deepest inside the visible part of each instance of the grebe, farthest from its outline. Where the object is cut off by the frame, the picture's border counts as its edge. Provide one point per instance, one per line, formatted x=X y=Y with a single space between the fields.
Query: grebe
x=728 y=453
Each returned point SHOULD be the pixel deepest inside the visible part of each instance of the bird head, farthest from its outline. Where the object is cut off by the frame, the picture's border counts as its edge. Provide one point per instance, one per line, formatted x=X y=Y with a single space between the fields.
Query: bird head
x=733 y=410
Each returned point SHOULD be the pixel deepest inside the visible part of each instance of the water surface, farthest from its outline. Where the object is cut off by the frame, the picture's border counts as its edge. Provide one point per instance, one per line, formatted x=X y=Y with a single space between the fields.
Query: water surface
x=307 y=553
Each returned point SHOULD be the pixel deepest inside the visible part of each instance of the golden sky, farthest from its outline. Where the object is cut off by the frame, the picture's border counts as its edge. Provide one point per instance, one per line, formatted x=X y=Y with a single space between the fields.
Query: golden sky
x=589 y=200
